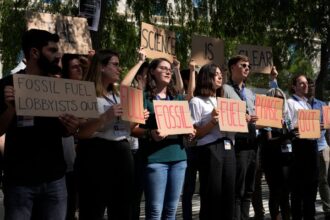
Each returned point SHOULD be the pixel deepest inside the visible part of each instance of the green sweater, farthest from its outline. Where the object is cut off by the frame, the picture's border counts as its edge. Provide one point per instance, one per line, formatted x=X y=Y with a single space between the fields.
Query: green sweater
x=168 y=150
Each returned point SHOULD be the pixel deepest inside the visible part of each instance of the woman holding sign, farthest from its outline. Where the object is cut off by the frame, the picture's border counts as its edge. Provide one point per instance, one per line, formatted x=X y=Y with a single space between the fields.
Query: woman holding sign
x=164 y=155
x=216 y=153
x=276 y=159
x=104 y=161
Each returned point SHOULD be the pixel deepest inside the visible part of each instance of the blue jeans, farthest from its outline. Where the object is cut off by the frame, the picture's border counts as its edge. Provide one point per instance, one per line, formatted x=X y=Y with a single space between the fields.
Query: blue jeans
x=48 y=201
x=163 y=187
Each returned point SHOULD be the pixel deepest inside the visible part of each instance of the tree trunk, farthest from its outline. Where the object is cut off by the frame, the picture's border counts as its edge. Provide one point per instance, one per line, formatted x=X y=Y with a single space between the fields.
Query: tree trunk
x=321 y=80
x=96 y=35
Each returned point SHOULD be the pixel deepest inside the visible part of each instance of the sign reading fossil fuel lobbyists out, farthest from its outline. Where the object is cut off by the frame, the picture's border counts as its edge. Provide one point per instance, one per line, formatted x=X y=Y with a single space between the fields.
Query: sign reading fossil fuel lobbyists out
x=269 y=111
x=157 y=42
x=173 y=117
x=51 y=97
x=261 y=58
x=232 y=115
x=309 y=123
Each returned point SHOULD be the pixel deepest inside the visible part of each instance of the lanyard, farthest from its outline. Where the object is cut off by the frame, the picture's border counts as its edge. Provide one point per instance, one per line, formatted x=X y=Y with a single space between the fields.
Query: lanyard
x=298 y=101
x=111 y=102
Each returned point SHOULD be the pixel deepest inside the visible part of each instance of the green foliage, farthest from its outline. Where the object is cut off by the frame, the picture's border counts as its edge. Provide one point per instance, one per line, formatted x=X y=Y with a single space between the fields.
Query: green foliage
x=290 y=27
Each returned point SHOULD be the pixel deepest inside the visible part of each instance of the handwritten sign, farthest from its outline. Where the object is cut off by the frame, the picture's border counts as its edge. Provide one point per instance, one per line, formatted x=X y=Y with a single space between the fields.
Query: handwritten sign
x=309 y=123
x=73 y=31
x=173 y=117
x=232 y=115
x=269 y=111
x=51 y=97
x=157 y=42
x=207 y=50
x=326 y=116
x=131 y=100
x=91 y=10
x=261 y=58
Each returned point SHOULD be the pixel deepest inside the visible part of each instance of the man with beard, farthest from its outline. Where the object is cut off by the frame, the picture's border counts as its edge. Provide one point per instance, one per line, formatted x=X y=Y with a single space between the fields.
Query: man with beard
x=34 y=164
x=305 y=163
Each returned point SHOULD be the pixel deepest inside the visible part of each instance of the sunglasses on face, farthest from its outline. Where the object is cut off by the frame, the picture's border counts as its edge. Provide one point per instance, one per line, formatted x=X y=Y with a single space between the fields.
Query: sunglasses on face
x=244 y=65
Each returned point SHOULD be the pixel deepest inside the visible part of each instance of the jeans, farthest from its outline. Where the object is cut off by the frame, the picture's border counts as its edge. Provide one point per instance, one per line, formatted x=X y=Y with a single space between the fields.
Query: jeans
x=48 y=201
x=324 y=188
x=163 y=186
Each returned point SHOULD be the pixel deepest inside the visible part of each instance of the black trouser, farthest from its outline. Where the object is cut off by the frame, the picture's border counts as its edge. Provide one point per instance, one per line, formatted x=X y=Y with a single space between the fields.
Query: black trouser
x=217 y=181
x=71 y=186
x=139 y=167
x=245 y=179
x=190 y=182
x=304 y=178
x=105 y=173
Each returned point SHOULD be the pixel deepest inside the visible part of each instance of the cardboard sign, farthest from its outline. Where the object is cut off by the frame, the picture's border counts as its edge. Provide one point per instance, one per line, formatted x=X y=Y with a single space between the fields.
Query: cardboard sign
x=157 y=42
x=173 y=117
x=73 y=31
x=326 y=117
x=269 y=111
x=131 y=100
x=309 y=123
x=51 y=97
x=91 y=10
x=261 y=58
x=207 y=50
x=232 y=115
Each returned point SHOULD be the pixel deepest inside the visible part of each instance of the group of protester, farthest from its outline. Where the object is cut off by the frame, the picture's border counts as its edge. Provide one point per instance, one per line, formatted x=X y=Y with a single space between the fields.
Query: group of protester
x=54 y=166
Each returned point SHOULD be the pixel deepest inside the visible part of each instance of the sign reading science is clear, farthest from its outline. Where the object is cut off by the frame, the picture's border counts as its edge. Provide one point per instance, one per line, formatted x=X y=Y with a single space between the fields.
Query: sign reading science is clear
x=261 y=58
x=51 y=97
x=73 y=31
x=157 y=42
x=207 y=50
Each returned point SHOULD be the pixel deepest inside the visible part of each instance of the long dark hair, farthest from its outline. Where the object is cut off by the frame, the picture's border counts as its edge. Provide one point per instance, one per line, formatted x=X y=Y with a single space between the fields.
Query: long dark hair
x=151 y=84
x=205 y=85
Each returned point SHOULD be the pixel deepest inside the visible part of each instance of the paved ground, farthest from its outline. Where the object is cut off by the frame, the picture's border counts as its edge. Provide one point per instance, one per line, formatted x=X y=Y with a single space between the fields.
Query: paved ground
x=196 y=204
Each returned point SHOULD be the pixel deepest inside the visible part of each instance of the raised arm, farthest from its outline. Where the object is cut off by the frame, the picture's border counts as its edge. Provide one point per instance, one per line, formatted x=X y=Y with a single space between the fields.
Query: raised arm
x=178 y=79
x=192 y=80
x=128 y=79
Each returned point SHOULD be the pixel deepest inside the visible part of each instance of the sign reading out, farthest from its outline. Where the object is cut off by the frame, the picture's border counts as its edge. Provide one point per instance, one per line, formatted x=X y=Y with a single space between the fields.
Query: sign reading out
x=326 y=116
x=232 y=115
x=269 y=111
x=157 y=42
x=261 y=58
x=309 y=123
x=73 y=31
x=173 y=117
x=207 y=50
x=51 y=97
x=131 y=100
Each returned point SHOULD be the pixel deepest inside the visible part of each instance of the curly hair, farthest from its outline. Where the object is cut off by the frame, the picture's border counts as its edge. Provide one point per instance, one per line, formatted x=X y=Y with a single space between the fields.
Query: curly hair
x=151 y=84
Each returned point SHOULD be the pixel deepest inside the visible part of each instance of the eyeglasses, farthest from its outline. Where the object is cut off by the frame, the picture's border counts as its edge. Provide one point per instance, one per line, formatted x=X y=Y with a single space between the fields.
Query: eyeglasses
x=244 y=65
x=165 y=69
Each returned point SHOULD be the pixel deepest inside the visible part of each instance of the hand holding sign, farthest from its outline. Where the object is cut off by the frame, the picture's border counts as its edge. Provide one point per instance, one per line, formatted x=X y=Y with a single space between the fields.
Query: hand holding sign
x=273 y=73
x=156 y=135
x=141 y=54
x=192 y=65
x=215 y=116
x=113 y=112
x=70 y=122
x=9 y=94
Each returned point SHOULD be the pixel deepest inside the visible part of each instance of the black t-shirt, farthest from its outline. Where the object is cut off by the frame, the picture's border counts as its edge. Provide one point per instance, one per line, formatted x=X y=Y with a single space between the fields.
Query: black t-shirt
x=33 y=152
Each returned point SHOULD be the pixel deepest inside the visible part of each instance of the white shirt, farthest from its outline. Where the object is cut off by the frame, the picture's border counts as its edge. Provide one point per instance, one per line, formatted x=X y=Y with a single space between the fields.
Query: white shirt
x=116 y=129
x=294 y=103
x=201 y=112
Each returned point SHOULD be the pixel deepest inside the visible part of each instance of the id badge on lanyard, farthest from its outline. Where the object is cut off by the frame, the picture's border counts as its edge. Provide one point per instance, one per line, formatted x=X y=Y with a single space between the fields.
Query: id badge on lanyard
x=25 y=121
x=120 y=129
x=227 y=144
